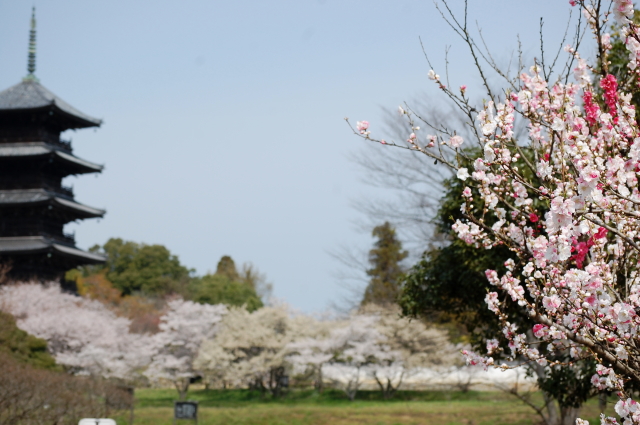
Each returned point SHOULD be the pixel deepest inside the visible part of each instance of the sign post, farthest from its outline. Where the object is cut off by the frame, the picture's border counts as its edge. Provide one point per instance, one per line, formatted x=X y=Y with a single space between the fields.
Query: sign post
x=185 y=410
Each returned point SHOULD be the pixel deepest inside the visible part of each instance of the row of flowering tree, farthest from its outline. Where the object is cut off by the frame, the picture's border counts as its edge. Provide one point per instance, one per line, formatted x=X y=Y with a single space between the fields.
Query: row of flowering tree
x=564 y=200
x=229 y=347
x=378 y=344
x=255 y=349
x=89 y=339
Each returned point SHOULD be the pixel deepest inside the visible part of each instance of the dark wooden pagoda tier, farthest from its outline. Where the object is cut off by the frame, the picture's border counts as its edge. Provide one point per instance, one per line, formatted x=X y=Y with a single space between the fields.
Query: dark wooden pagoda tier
x=34 y=205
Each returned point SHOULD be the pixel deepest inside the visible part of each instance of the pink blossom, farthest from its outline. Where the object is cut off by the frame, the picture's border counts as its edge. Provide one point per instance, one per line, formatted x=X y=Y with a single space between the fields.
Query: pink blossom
x=492 y=345
x=581 y=249
x=492 y=301
x=362 y=126
x=540 y=330
x=626 y=407
x=606 y=41
x=592 y=110
x=601 y=233
x=623 y=11
x=610 y=87
x=455 y=141
x=552 y=303
x=474 y=359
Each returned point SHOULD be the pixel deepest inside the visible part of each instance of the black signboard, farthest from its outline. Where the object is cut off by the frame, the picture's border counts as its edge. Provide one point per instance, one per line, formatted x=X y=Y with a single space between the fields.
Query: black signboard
x=186 y=410
x=284 y=381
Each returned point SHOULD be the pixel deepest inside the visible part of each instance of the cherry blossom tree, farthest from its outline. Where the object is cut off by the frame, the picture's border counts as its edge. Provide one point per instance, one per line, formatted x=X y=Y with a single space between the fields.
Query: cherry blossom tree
x=309 y=355
x=416 y=346
x=353 y=348
x=182 y=330
x=564 y=201
x=251 y=347
x=375 y=342
x=83 y=335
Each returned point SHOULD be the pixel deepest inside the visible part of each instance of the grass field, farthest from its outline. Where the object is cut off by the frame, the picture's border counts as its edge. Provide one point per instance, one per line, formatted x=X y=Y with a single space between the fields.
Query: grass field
x=239 y=407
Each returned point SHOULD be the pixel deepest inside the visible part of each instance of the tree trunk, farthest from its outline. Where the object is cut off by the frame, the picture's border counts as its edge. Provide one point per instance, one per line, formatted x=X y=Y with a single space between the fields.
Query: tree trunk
x=182 y=385
x=379 y=383
x=353 y=390
x=257 y=384
x=388 y=390
x=569 y=415
x=602 y=401
x=132 y=391
x=275 y=381
x=392 y=390
x=553 y=418
x=319 y=382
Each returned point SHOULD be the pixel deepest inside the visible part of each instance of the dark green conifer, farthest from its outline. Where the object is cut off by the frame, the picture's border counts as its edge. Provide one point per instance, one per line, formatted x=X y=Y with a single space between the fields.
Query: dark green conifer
x=386 y=268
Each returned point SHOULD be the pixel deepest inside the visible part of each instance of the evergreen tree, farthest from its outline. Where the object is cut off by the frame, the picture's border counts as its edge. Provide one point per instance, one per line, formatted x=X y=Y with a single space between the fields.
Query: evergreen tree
x=227 y=267
x=386 y=268
x=149 y=270
x=23 y=347
x=226 y=286
x=135 y=274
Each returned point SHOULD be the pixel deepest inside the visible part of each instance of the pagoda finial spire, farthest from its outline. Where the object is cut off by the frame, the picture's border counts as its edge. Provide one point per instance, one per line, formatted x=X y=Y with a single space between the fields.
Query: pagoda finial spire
x=31 y=63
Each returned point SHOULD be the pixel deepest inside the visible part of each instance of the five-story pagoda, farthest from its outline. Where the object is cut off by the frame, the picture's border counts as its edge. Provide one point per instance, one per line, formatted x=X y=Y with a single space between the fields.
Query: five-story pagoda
x=34 y=205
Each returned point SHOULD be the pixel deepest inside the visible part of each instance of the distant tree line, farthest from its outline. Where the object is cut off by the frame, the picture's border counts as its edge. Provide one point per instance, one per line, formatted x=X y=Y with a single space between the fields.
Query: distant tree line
x=267 y=350
x=137 y=279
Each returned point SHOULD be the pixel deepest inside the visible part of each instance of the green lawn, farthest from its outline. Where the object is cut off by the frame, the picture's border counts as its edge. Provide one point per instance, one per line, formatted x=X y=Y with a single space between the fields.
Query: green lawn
x=240 y=407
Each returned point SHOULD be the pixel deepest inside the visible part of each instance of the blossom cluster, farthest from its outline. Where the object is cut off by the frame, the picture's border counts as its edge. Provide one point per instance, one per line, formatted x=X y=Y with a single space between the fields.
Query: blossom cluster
x=566 y=202
x=576 y=272
x=82 y=334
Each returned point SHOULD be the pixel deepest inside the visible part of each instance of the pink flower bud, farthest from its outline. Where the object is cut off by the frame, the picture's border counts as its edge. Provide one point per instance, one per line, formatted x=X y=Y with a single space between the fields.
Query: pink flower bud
x=362 y=126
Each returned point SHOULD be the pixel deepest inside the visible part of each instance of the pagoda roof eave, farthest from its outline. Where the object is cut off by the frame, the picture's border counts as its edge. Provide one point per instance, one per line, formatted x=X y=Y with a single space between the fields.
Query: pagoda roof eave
x=95 y=168
x=33 y=149
x=31 y=95
x=76 y=252
x=41 y=196
x=18 y=245
x=90 y=212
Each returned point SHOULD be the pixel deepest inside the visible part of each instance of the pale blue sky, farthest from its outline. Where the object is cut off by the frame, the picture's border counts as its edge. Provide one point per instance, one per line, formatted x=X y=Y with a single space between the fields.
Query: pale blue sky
x=223 y=120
